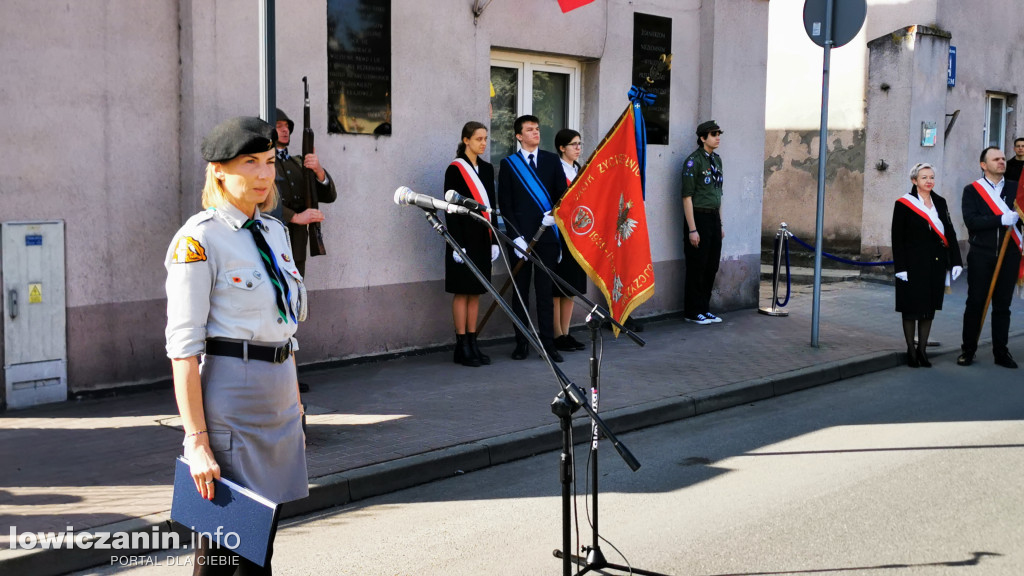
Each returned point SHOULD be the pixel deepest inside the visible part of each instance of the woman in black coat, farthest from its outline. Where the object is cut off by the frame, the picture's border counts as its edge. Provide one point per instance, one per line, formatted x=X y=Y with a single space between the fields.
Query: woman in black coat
x=926 y=258
x=472 y=177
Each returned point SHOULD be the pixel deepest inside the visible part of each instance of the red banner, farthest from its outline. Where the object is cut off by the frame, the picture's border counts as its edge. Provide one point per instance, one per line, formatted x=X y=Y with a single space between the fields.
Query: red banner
x=567 y=5
x=603 y=221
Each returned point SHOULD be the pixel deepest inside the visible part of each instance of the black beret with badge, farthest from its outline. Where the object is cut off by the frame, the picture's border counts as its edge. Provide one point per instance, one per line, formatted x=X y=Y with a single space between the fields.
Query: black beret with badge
x=707 y=127
x=237 y=136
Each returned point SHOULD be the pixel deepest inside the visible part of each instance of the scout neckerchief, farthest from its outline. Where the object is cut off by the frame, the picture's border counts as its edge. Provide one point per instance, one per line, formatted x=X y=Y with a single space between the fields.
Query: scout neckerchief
x=918 y=207
x=716 y=172
x=997 y=205
x=529 y=179
x=476 y=187
x=277 y=278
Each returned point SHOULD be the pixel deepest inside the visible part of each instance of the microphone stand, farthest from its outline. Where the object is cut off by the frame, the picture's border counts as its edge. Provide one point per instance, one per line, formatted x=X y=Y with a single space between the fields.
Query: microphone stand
x=595 y=560
x=568 y=401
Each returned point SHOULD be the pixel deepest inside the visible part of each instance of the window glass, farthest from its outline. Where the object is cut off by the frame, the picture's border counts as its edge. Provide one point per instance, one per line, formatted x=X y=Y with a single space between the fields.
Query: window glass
x=550 y=105
x=996 y=126
x=504 y=110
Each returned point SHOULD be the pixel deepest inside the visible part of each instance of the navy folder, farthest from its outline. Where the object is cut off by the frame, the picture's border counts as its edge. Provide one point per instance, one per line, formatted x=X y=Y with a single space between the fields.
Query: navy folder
x=240 y=519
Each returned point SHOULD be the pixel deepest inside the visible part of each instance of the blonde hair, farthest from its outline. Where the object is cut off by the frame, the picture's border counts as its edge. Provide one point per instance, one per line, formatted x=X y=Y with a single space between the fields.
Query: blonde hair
x=214 y=194
x=917 y=169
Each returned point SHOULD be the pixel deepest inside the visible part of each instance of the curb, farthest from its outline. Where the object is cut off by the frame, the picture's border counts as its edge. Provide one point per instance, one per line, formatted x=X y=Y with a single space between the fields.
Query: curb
x=386 y=477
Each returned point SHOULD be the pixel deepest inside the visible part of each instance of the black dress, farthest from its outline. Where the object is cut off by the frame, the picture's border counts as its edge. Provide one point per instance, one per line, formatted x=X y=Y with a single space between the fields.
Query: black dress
x=569 y=269
x=472 y=235
x=918 y=251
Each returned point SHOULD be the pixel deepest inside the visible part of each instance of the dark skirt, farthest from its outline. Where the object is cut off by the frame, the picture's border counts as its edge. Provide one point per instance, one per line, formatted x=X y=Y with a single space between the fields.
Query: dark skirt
x=570 y=271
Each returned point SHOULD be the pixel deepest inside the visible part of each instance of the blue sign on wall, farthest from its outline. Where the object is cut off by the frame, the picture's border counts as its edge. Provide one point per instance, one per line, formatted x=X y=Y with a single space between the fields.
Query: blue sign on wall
x=951 y=68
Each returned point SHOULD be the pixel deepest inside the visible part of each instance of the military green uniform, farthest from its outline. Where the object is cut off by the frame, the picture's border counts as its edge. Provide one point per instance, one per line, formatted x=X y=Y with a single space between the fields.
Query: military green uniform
x=702 y=180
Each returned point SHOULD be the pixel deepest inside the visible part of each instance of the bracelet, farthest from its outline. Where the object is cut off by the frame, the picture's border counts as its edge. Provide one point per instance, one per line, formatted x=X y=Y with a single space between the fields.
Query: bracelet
x=691 y=232
x=195 y=434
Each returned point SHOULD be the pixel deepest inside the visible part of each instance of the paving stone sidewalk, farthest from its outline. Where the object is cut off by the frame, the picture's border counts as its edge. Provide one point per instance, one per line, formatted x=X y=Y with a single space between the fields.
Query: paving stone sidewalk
x=98 y=462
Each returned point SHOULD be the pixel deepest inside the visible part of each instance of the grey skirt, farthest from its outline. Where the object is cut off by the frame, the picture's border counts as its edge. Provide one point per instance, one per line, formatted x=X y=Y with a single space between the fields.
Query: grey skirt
x=254 y=422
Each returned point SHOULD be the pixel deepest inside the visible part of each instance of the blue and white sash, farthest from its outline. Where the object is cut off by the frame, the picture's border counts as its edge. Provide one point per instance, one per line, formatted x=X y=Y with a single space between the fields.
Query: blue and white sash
x=529 y=179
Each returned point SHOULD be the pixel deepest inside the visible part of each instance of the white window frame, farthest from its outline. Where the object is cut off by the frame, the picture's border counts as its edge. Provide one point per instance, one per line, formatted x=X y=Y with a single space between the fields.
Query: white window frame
x=1001 y=141
x=527 y=64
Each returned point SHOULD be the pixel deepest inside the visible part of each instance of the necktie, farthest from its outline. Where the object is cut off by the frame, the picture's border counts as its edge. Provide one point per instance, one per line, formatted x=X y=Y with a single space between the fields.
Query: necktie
x=532 y=163
x=284 y=302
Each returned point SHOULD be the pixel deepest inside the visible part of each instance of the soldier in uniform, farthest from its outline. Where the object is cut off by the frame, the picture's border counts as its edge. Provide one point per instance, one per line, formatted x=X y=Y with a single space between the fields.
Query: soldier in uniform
x=702 y=202
x=291 y=184
x=234 y=298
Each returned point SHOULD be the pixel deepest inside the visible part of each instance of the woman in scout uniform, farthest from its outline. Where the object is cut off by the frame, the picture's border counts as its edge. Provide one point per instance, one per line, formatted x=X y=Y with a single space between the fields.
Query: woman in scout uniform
x=234 y=297
x=472 y=177
x=569 y=144
x=926 y=257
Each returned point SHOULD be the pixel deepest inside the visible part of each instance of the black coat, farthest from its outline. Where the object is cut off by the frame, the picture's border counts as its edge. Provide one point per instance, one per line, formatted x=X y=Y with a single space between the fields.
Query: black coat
x=517 y=206
x=984 y=227
x=471 y=234
x=918 y=251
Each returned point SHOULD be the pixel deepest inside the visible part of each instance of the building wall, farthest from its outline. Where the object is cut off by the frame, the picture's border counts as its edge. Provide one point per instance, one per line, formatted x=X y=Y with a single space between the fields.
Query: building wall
x=125 y=101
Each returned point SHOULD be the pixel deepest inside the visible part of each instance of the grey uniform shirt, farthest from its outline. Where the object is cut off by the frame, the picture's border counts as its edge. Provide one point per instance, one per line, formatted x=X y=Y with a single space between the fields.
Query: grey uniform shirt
x=217 y=286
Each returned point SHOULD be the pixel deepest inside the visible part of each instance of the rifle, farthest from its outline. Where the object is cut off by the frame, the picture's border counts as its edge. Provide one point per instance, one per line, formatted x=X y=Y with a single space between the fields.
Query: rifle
x=316 y=236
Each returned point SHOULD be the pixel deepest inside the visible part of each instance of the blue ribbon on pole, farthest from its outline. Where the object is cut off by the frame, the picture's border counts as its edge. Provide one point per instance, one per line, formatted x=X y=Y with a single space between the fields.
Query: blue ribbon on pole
x=640 y=97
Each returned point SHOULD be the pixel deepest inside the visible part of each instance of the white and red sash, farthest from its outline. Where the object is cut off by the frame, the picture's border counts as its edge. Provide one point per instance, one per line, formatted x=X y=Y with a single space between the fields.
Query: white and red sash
x=473 y=182
x=997 y=206
x=917 y=206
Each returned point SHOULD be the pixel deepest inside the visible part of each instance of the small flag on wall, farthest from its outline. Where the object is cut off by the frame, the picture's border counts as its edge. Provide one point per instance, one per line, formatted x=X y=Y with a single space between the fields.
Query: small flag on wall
x=567 y=5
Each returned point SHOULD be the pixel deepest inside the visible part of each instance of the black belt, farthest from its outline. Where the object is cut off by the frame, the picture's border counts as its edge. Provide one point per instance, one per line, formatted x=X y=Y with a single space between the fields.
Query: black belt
x=272 y=354
x=705 y=210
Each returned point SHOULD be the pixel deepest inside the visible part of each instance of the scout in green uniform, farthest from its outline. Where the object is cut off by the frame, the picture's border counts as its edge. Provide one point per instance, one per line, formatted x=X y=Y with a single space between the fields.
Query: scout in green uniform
x=702 y=201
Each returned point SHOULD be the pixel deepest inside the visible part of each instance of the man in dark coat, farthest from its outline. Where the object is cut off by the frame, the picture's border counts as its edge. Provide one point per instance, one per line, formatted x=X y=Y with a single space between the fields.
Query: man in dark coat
x=291 y=184
x=989 y=212
x=530 y=182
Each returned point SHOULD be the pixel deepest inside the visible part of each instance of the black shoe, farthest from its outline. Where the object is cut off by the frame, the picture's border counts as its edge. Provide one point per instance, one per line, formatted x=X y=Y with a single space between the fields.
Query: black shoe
x=922 y=359
x=1005 y=360
x=564 y=344
x=576 y=344
x=468 y=357
x=912 y=360
x=521 y=352
x=554 y=354
x=303 y=387
x=484 y=358
x=965 y=359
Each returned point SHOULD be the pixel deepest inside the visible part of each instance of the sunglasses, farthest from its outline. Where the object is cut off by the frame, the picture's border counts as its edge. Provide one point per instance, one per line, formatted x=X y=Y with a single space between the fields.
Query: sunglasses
x=715 y=133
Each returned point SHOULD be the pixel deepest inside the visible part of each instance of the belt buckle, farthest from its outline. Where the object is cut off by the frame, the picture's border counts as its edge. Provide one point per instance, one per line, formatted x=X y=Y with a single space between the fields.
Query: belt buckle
x=281 y=353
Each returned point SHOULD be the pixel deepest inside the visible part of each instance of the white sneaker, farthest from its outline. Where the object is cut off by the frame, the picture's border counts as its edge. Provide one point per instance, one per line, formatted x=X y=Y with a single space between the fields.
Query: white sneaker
x=700 y=319
x=712 y=318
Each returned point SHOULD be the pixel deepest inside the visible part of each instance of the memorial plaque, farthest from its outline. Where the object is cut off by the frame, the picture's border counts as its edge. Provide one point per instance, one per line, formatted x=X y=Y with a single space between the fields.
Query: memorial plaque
x=652 y=70
x=359 y=66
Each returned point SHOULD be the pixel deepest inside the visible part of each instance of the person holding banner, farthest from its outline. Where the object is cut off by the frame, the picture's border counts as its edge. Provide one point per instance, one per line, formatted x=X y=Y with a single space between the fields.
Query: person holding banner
x=989 y=211
x=472 y=177
x=234 y=299
x=569 y=144
x=702 y=204
x=530 y=181
x=926 y=258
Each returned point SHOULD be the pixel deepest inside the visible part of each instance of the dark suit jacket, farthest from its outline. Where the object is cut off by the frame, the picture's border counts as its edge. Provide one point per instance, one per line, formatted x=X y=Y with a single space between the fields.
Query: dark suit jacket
x=985 y=227
x=291 y=184
x=518 y=207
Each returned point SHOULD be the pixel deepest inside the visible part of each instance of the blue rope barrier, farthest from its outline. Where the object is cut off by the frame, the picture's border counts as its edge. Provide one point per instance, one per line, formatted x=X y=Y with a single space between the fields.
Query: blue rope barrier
x=839 y=259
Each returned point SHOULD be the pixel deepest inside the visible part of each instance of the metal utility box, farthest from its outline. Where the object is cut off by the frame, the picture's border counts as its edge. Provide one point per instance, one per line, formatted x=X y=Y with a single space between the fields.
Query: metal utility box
x=35 y=336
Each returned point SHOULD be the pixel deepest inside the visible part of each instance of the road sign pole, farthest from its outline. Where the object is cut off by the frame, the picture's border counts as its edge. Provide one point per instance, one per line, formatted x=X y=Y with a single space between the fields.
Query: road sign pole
x=819 y=225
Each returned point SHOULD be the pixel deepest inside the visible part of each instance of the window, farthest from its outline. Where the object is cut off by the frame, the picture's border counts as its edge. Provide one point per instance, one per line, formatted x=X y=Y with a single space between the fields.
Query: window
x=548 y=88
x=995 y=120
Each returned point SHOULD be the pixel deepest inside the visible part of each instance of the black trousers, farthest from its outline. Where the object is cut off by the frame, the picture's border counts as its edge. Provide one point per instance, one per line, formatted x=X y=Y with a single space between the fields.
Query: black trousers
x=702 y=263
x=981 y=264
x=542 y=285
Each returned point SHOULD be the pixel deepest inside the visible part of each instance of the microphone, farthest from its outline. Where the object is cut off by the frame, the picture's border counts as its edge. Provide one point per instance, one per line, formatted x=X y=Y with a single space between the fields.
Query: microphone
x=406 y=197
x=456 y=198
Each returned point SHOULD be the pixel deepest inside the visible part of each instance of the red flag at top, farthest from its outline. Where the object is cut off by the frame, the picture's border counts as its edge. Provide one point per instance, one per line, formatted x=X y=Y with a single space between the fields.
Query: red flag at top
x=567 y=5
x=604 y=223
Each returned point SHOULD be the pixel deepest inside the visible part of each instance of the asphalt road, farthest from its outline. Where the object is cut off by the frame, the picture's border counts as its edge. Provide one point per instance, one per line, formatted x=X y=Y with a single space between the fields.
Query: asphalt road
x=907 y=471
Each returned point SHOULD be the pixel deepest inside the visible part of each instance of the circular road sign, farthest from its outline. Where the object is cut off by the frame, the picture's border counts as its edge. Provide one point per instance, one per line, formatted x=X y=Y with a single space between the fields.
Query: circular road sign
x=847 y=19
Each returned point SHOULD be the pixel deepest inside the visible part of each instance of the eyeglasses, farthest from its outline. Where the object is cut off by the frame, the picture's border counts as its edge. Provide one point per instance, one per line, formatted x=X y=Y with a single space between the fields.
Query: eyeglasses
x=715 y=133
x=575 y=144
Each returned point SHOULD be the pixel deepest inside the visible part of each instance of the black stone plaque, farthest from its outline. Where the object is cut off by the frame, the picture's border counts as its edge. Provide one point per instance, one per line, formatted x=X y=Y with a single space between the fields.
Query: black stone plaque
x=652 y=70
x=359 y=66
